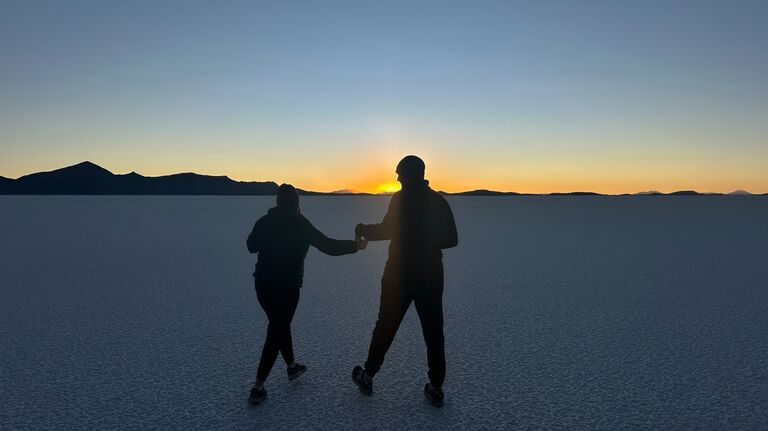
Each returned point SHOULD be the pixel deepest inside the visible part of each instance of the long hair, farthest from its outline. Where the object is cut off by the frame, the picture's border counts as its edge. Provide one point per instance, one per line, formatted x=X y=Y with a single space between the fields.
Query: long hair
x=288 y=197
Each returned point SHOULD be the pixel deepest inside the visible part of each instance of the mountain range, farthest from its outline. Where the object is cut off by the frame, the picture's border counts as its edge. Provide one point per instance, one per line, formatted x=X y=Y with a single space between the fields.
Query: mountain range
x=87 y=178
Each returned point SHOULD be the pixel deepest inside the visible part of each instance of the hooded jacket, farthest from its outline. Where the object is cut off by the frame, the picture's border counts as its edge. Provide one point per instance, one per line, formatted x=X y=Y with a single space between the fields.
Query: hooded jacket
x=419 y=222
x=282 y=238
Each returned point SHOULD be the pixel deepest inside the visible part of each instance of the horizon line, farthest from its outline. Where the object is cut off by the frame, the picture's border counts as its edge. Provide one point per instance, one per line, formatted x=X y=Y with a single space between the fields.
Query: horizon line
x=479 y=191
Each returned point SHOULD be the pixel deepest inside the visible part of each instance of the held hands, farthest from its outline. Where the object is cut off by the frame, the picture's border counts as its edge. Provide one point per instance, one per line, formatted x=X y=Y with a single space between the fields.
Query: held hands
x=362 y=243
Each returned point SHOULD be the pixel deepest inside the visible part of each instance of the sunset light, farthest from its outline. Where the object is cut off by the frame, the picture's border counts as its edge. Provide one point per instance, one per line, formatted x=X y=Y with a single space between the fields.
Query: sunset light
x=488 y=94
x=388 y=187
x=442 y=214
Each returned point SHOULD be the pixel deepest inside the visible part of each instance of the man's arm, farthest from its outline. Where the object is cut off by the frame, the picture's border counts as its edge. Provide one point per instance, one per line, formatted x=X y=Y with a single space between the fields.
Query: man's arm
x=333 y=247
x=447 y=235
x=385 y=229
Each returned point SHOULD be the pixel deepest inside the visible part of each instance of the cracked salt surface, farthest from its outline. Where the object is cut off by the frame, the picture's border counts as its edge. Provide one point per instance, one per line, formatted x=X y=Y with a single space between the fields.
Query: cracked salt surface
x=561 y=313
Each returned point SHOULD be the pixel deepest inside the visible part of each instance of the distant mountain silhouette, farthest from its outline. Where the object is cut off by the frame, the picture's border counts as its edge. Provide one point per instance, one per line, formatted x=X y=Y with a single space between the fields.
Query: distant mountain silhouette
x=5 y=185
x=685 y=193
x=574 y=194
x=87 y=178
x=346 y=192
x=483 y=192
x=740 y=193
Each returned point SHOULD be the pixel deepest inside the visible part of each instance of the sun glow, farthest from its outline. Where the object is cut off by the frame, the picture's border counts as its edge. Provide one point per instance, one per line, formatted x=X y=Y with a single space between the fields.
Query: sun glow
x=388 y=187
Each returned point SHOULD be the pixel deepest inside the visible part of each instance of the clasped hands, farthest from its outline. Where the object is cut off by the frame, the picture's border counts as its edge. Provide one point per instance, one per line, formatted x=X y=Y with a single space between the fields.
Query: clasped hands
x=361 y=242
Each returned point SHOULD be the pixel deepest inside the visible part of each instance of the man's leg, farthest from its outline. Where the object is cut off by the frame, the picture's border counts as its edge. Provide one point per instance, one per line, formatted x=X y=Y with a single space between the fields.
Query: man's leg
x=429 y=306
x=392 y=307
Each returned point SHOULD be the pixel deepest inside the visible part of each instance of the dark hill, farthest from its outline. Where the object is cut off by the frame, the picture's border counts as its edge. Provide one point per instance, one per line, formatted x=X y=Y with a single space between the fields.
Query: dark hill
x=5 y=184
x=739 y=193
x=87 y=178
x=82 y=178
x=575 y=194
x=484 y=192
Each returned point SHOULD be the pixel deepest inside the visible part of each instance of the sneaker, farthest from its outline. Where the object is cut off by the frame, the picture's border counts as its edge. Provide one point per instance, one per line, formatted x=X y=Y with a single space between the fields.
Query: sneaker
x=436 y=396
x=362 y=380
x=257 y=395
x=296 y=371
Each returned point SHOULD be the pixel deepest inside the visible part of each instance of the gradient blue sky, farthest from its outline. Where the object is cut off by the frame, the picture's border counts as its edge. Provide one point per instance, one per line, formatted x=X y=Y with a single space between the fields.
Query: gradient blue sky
x=537 y=96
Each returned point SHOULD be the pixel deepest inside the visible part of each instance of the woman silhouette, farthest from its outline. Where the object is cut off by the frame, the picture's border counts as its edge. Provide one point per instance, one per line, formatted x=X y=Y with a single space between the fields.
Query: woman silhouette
x=282 y=238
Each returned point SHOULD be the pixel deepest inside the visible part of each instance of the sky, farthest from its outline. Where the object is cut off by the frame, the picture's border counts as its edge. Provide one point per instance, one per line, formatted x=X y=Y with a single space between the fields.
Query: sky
x=535 y=96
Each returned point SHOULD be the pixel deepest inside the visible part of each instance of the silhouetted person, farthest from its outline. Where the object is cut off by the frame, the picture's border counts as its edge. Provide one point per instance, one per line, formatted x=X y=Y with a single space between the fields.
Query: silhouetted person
x=419 y=223
x=282 y=238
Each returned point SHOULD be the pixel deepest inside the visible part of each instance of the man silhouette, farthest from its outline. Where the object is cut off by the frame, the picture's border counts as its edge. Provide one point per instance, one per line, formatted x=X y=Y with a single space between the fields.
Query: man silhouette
x=419 y=223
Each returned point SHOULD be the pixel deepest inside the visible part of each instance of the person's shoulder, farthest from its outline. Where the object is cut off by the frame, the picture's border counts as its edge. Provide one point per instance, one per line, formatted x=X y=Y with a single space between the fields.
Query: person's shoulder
x=433 y=192
x=298 y=222
x=276 y=215
x=439 y=201
x=436 y=196
x=263 y=218
x=303 y=221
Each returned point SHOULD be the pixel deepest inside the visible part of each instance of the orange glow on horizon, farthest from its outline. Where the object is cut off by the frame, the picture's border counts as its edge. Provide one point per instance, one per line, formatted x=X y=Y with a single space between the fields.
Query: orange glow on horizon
x=451 y=173
x=390 y=187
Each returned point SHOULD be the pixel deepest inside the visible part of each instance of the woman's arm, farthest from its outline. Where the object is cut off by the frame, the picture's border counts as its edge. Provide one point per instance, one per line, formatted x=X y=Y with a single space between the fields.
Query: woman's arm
x=330 y=246
x=253 y=238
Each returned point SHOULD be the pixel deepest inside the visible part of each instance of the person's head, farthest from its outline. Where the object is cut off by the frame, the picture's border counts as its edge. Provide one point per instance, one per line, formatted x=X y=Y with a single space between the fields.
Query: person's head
x=287 y=197
x=411 y=168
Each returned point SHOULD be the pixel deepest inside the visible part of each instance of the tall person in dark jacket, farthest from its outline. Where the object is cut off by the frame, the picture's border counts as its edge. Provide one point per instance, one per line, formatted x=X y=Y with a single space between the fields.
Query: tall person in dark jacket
x=419 y=224
x=282 y=238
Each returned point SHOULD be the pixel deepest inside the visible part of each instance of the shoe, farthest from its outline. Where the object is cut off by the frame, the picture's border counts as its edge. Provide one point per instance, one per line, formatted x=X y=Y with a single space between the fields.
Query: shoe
x=363 y=381
x=257 y=395
x=436 y=396
x=296 y=371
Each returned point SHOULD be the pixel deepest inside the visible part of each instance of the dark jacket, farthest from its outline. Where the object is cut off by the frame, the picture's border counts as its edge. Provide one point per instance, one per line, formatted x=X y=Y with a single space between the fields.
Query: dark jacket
x=282 y=238
x=419 y=222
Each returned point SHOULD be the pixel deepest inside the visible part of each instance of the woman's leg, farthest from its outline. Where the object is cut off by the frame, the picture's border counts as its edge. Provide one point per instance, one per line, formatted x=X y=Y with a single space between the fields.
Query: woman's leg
x=279 y=303
x=269 y=301
x=286 y=342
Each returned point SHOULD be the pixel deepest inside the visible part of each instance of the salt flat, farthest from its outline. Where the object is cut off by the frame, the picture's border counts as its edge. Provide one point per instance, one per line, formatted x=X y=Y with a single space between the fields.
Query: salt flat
x=561 y=313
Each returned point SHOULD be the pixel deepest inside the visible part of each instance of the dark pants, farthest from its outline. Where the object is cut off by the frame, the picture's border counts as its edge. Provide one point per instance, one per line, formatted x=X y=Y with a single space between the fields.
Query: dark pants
x=396 y=298
x=279 y=303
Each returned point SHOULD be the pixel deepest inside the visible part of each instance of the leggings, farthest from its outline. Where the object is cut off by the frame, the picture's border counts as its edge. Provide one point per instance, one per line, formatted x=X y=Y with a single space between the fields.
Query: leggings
x=279 y=303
